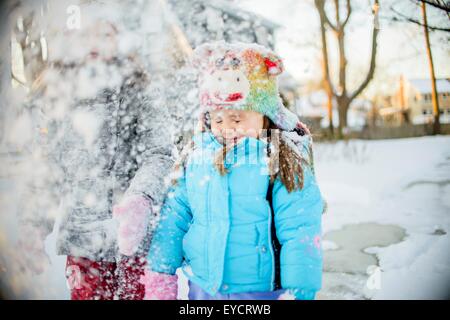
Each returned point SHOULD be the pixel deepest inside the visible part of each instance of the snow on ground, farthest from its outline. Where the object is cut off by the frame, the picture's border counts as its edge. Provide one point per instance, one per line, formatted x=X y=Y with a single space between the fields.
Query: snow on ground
x=403 y=185
x=388 y=206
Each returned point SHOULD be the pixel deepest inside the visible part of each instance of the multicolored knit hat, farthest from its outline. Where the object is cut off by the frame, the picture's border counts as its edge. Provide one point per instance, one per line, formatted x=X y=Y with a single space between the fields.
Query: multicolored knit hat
x=242 y=76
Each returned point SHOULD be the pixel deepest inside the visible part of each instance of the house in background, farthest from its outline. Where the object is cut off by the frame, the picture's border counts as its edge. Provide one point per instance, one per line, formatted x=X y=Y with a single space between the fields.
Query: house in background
x=415 y=95
x=412 y=104
x=389 y=112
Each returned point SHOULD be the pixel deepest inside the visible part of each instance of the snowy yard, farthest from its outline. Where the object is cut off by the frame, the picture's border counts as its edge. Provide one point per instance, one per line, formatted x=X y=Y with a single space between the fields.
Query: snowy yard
x=388 y=207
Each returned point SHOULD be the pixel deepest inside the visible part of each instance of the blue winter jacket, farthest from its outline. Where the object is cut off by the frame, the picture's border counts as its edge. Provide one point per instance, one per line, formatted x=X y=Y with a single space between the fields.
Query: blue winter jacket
x=218 y=228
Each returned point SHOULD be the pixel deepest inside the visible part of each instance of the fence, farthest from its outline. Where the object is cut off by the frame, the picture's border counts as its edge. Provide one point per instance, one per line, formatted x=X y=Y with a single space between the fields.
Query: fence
x=384 y=132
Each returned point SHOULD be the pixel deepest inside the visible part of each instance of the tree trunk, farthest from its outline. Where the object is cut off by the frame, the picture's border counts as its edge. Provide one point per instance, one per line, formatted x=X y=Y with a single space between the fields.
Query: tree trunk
x=330 y=113
x=339 y=31
x=343 y=106
x=434 y=94
x=326 y=67
x=342 y=97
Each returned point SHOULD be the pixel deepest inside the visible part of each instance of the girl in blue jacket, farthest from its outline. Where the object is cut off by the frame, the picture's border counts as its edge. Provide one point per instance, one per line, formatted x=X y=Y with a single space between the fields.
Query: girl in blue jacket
x=243 y=216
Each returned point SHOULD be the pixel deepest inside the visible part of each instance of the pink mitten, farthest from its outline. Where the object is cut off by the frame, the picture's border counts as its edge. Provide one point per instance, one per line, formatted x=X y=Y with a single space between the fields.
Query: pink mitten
x=159 y=286
x=133 y=215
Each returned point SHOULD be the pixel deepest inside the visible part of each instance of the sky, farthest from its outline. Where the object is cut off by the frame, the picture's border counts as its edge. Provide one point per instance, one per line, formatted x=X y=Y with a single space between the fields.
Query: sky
x=401 y=46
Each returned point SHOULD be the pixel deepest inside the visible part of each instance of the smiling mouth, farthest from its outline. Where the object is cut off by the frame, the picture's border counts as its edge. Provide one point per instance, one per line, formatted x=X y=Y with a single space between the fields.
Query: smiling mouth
x=224 y=99
x=234 y=97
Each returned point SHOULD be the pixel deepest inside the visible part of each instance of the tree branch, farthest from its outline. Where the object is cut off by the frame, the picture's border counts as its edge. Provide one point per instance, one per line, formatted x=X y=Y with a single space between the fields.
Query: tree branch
x=326 y=69
x=445 y=6
x=408 y=19
x=320 y=5
x=371 y=71
x=349 y=12
x=328 y=22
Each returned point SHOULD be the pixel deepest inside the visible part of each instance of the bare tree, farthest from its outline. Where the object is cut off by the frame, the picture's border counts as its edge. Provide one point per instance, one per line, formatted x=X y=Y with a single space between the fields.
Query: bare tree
x=434 y=94
x=340 y=92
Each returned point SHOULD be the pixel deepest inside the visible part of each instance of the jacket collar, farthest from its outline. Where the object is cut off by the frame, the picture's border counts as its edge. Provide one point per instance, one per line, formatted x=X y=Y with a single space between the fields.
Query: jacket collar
x=208 y=140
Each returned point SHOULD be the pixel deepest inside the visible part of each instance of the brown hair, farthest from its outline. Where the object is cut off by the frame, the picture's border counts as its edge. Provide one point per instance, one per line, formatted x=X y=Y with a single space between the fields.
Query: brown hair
x=289 y=164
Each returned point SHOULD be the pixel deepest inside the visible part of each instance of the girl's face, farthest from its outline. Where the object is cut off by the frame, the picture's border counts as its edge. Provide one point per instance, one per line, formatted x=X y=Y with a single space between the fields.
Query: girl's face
x=232 y=125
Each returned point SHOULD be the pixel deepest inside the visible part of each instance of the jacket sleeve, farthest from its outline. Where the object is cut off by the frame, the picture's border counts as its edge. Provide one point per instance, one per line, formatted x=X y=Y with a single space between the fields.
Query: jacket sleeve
x=152 y=146
x=298 y=227
x=166 y=249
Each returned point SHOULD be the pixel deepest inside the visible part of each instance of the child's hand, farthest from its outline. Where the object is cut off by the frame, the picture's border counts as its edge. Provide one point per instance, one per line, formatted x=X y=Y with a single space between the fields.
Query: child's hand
x=160 y=286
x=302 y=129
x=132 y=213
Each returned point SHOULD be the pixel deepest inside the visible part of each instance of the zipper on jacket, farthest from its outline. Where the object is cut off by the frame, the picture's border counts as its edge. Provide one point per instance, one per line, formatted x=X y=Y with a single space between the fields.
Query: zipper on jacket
x=208 y=220
x=258 y=250
x=272 y=254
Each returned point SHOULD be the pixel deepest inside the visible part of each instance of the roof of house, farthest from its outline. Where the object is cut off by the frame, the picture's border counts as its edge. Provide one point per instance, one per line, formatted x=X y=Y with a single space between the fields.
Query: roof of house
x=424 y=85
x=232 y=10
